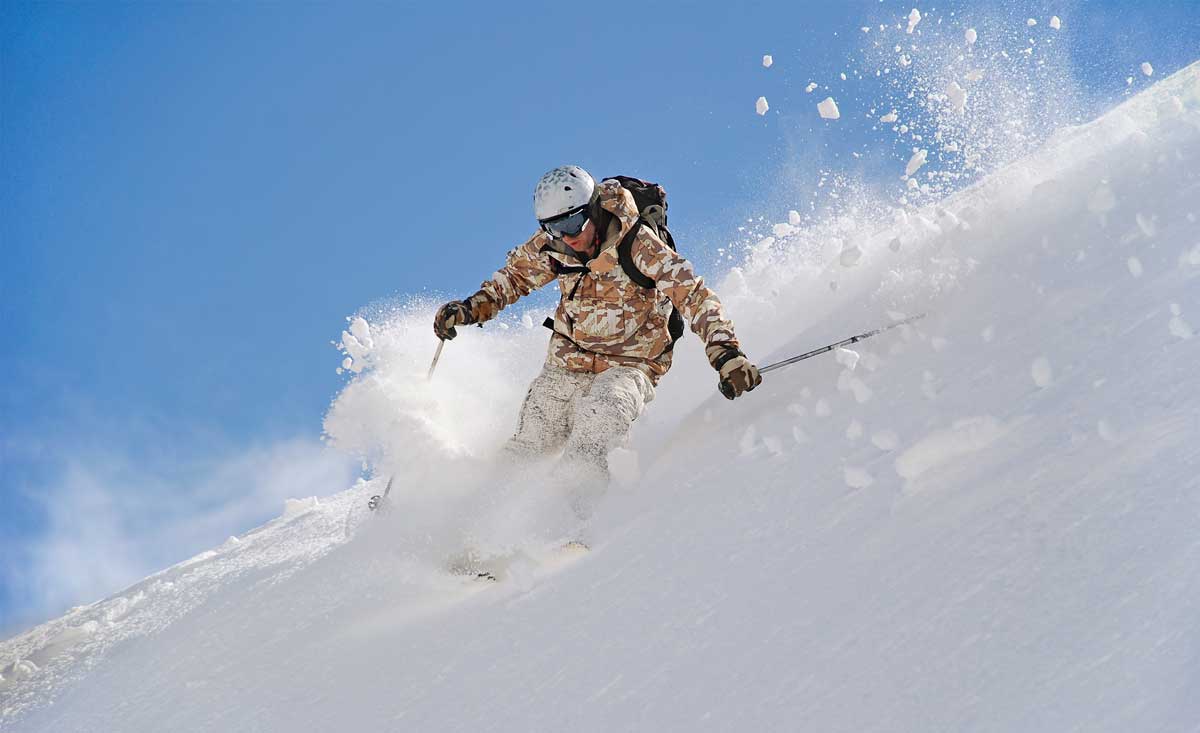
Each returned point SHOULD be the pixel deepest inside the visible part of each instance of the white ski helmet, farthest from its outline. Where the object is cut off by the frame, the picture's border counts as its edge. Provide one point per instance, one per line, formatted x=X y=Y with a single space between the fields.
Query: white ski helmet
x=561 y=190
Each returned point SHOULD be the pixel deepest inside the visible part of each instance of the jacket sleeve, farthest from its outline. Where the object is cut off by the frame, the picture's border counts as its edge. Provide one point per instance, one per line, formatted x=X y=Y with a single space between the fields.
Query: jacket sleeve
x=674 y=276
x=526 y=269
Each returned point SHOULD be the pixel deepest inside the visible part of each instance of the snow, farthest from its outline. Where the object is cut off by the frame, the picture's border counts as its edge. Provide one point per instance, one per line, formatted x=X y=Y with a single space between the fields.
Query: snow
x=916 y=161
x=971 y=36
x=1041 y=371
x=811 y=86
x=957 y=96
x=914 y=17
x=889 y=117
x=767 y=61
x=828 y=109
x=1135 y=266
x=1055 y=22
x=1147 y=69
x=760 y=106
x=998 y=557
x=1031 y=22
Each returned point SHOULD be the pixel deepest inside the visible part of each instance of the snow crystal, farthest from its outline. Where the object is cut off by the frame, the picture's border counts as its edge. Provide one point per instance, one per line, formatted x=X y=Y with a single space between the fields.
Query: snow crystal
x=965 y=436
x=1147 y=69
x=761 y=106
x=1031 y=22
x=854 y=430
x=858 y=478
x=843 y=75
x=846 y=357
x=767 y=61
x=1055 y=23
x=957 y=96
x=971 y=36
x=821 y=409
x=913 y=18
x=1135 y=266
x=886 y=440
x=1042 y=374
x=915 y=162
x=828 y=109
x=1128 y=81
x=811 y=86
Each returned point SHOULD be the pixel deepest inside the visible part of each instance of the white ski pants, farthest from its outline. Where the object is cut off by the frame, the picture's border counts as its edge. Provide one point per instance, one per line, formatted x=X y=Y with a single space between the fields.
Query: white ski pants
x=586 y=416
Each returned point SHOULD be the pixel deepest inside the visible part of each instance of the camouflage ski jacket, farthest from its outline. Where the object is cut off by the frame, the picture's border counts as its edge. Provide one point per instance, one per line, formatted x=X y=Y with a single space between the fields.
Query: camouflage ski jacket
x=604 y=318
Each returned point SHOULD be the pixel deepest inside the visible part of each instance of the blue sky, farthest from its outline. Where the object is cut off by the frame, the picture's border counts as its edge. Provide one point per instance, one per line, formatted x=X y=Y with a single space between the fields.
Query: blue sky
x=194 y=195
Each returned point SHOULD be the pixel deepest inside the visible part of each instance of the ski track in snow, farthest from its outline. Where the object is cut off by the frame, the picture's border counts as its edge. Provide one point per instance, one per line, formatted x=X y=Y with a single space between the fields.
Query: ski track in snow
x=1014 y=547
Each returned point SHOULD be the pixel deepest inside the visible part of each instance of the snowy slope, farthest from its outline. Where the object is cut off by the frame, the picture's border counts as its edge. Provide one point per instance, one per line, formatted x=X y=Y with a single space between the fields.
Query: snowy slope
x=990 y=523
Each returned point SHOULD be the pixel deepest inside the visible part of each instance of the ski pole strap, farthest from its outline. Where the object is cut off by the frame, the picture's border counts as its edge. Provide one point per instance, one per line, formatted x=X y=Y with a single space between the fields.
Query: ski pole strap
x=844 y=342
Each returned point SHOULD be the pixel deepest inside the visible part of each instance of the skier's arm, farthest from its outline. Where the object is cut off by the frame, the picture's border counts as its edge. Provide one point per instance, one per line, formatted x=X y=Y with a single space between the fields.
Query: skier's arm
x=526 y=269
x=675 y=277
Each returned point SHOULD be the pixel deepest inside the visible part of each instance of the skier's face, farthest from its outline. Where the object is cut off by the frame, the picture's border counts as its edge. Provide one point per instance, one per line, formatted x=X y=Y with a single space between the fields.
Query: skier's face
x=583 y=241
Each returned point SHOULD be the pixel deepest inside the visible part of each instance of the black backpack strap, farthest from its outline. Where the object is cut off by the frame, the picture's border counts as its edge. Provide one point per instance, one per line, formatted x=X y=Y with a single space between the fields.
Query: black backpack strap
x=625 y=257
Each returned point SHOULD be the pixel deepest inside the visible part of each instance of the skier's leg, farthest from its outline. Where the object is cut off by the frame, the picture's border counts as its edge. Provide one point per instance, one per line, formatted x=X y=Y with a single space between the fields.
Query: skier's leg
x=600 y=422
x=545 y=415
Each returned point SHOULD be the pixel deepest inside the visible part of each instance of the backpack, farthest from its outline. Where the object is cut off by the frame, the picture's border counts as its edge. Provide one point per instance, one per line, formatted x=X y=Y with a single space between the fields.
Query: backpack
x=651 y=200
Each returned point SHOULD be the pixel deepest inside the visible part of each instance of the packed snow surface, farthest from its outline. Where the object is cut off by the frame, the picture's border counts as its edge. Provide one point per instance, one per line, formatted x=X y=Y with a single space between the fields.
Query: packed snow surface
x=1013 y=549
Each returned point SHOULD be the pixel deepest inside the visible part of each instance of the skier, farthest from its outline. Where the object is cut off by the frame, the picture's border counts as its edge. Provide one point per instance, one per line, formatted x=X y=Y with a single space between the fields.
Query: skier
x=615 y=326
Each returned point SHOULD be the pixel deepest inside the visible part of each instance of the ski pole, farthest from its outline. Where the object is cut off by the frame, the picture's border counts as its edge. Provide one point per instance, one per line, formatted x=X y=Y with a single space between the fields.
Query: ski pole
x=843 y=342
x=437 y=355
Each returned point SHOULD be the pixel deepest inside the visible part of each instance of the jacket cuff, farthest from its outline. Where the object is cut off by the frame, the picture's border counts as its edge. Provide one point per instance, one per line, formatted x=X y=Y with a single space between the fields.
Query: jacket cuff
x=482 y=307
x=720 y=352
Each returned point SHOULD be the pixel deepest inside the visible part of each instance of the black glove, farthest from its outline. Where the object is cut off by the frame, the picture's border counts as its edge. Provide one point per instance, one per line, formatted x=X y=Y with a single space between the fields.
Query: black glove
x=738 y=375
x=454 y=313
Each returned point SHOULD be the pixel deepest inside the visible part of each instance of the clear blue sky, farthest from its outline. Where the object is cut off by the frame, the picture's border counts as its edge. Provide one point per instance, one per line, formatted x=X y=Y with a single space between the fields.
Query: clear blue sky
x=194 y=195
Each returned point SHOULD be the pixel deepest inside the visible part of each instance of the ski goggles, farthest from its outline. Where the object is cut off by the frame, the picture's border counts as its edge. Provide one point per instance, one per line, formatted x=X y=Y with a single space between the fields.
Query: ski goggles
x=569 y=224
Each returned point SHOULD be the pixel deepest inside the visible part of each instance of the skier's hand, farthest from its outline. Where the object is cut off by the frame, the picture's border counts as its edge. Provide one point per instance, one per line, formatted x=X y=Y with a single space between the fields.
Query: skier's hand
x=738 y=375
x=454 y=313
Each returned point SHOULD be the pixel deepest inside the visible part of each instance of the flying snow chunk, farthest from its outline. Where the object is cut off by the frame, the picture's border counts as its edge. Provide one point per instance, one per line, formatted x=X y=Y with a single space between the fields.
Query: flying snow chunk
x=957 y=96
x=1031 y=22
x=811 y=86
x=794 y=217
x=850 y=256
x=974 y=75
x=1042 y=374
x=886 y=440
x=1055 y=23
x=854 y=430
x=913 y=18
x=971 y=36
x=1135 y=266
x=767 y=61
x=964 y=437
x=846 y=357
x=1147 y=69
x=761 y=106
x=858 y=478
x=526 y=321
x=915 y=162
x=889 y=117
x=829 y=109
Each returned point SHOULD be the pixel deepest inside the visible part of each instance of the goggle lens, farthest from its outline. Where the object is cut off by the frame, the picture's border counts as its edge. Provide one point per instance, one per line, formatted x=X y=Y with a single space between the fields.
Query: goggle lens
x=569 y=224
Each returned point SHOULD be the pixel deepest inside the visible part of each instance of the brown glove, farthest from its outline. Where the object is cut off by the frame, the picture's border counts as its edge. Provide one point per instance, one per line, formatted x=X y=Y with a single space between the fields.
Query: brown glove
x=738 y=375
x=454 y=313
